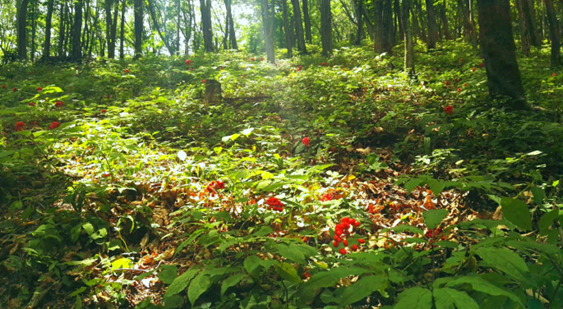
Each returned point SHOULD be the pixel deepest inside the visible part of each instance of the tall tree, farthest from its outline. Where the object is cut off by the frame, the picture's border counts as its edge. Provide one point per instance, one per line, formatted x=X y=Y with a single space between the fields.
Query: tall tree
x=76 y=48
x=326 y=27
x=230 y=26
x=360 y=22
x=554 y=33
x=122 y=30
x=287 y=29
x=387 y=27
x=165 y=39
x=445 y=26
x=48 y=25
x=407 y=32
x=530 y=15
x=432 y=29
x=206 y=25
x=268 y=25
x=298 y=26
x=21 y=27
x=138 y=12
x=468 y=27
x=524 y=29
x=307 y=21
x=497 y=43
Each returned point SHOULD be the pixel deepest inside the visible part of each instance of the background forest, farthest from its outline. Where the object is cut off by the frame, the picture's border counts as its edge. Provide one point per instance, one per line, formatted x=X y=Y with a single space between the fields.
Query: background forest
x=281 y=154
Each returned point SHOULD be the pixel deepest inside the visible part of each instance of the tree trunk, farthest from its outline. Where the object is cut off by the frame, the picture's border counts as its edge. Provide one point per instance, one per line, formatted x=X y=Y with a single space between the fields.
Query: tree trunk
x=122 y=31
x=530 y=15
x=76 y=50
x=62 y=30
x=326 y=27
x=48 y=26
x=288 y=29
x=138 y=11
x=231 y=25
x=387 y=27
x=307 y=20
x=21 y=25
x=268 y=26
x=360 y=22
x=107 y=8
x=554 y=33
x=523 y=27
x=468 y=27
x=206 y=25
x=432 y=29
x=445 y=25
x=156 y=24
x=409 y=47
x=299 y=27
x=398 y=19
x=497 y=43
x=34 y=17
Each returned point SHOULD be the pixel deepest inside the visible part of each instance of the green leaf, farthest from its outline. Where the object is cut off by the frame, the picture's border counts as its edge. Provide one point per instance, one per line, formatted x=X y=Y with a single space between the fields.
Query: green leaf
x=446 y=298
x=362 y=289
x=516 y=211
x=411 y=184
x=263 y=231
x=547 y=220
x=231 y=281
x=288 y=272
x=539 y=194
x=292 y=255
x=416 y=297
x=168 y=273
x=251 y=262
x=181 y=282
x=481 y=285
x=434 y=217
x=436 y=186
x=88 y=227
x=505 y=260
x=198 y=286
x=407 y=228
x=330 y=278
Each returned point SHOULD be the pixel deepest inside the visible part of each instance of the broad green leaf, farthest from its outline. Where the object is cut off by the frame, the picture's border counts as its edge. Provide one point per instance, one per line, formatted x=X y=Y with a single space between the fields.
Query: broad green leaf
x=181 y=282
x=168 y=273
x=436 y=186
x=481 y=285
x=446 y=298
x=251 y=262
x=505 y=260
x=290 y=254
x=330 y=278
x=517 y=212
x=122 y=263
x=539 y=194
x=416 y=297
x=288 y=272
x=407 y=228
x=263 y=231
x=547 y=220
x=434 y=217
x=411 y=184
x=88 y=227
x=231 y=281
x=362 y=289
x=198 y=286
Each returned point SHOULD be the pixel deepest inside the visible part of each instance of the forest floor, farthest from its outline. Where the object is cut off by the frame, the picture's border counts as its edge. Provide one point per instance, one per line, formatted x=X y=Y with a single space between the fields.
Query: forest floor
x=316 y=182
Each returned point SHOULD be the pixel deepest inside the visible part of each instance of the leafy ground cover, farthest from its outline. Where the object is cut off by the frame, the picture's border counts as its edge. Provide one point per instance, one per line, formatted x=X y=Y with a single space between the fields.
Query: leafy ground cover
x=316 y=183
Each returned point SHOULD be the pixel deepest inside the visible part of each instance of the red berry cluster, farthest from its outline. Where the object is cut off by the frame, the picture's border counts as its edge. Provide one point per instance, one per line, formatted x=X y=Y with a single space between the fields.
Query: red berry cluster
x=342 y=231
x=274 y=204
x=59 y=104
x=215 y=185
x=54 y=125
x=434 y=234
x=20 y=126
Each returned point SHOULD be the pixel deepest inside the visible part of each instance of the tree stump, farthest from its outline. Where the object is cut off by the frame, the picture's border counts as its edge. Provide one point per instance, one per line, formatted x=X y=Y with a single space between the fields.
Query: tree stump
x=212 y=91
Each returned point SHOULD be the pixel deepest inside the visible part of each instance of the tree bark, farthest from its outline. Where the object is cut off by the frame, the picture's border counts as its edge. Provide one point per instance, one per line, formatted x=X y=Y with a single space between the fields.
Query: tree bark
x=287 y=29
x=554 y=33
x=76 y=50
x=307 y=21
x=468 y=27
x=21 y=25
x=445 y=25
x=530 y=15
x=206 y=25
x=138 y=12
x=62 y=30
x=268 y=26
x=497 y=42
x=326 y=28
x=230 y=25
x=409 y=47
x=360 y=22
x=34 y=16
x=432 y=29
x=298 y=27
x=122 y=31
x=523 y=27
x=48 y=27
x=398 y=18
x=387 y=27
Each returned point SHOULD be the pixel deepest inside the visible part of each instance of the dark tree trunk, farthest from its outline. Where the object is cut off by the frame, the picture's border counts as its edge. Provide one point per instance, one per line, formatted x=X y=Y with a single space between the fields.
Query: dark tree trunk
x=530 y=15
x=287 y=29
x=409 y=47
x=138 y=11
x=360 y=22
x=378 y=24
x=76 y=51
x=307 y=21
x=432 y=29
x=206 y=25
x=468 y=27
x=21 y=17
x=109 y=21
x=398 y=19
x=524 y=30
x=62 y=26
x=445 y=24
x=48 y=27
x=497 y=43
x=326 y=27
x=554 y=33
x=122 y=31
x=34 y=16
x=230 y=25
x=298 y=27
x=268 y=26
x=387 y=27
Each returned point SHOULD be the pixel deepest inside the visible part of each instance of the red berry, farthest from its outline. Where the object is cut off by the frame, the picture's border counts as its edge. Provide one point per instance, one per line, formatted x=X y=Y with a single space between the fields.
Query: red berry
x=345 y=242
x=15 y=89
x=354 y=247
x=335 y=244
x=39 y=88
x=342 y=251
x=127 y=71
x=361 y=241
